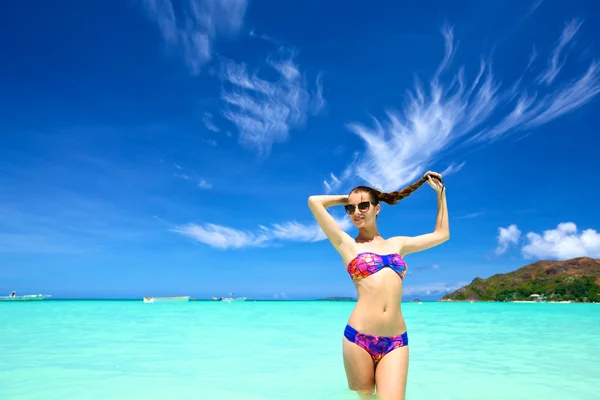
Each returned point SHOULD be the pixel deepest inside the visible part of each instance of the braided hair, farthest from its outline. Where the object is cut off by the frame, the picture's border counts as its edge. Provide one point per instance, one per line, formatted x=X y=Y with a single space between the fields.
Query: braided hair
x=393 y=197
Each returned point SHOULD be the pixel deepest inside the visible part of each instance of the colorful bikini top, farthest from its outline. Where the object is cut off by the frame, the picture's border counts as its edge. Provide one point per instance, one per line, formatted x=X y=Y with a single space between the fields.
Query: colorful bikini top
x=367 y=263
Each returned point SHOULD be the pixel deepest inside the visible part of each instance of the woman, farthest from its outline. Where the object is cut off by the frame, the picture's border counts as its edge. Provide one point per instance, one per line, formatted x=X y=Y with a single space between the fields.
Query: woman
x=375 y=343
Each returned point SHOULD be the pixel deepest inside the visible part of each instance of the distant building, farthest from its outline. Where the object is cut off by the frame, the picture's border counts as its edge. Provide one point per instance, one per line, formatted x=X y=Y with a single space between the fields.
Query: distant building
x=536 y=297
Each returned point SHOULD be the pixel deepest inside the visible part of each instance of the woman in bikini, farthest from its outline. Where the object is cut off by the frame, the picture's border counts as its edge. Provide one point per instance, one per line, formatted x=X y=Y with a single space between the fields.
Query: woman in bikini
x=375 y=342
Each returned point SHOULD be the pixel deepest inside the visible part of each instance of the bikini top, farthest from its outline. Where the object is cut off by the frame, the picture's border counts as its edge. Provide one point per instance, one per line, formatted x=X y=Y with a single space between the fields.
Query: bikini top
x=368 y=263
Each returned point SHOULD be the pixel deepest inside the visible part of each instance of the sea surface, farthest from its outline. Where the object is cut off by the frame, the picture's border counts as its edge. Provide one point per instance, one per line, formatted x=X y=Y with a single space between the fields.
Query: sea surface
x=289 y=350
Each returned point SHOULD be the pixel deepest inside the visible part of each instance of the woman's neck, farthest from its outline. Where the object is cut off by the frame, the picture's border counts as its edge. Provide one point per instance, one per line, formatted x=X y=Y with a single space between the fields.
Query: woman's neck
x=368 y=234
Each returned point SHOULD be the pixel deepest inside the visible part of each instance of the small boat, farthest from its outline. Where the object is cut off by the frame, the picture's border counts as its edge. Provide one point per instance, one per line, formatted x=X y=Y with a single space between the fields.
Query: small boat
x=232 y=299
x=26 y=297
x=229 y=300
x=174 y=299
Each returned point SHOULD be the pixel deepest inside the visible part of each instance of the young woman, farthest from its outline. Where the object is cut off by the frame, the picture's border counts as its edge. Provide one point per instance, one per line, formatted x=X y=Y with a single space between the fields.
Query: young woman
x=375 y=343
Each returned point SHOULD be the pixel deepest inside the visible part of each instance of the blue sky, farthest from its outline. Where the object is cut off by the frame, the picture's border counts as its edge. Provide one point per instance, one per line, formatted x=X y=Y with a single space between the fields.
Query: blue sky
x=161 y=147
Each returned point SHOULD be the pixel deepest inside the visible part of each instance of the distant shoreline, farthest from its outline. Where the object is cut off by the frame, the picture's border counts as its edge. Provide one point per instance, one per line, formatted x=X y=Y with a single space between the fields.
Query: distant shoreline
x=326 y=299
x=517 y=301
x=321 y=300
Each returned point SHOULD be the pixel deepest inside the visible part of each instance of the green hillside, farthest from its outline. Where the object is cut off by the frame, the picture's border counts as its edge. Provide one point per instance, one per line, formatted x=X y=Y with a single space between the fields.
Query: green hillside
x=577 y=280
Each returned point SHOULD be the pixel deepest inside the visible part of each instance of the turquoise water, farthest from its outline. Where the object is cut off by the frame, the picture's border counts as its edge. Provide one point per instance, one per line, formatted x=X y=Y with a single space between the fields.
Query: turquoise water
x=289 y=350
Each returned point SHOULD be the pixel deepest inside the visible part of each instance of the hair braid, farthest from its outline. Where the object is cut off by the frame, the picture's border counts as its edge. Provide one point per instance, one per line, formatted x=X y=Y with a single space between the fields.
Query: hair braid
x=394 y=197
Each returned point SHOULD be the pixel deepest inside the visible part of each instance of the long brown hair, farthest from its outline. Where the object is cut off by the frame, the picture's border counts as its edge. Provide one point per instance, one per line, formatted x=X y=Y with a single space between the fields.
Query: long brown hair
x=393 y=197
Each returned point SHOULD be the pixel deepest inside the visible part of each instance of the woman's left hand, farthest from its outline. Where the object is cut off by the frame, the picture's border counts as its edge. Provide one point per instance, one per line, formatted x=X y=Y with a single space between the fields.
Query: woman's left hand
x=436 y=184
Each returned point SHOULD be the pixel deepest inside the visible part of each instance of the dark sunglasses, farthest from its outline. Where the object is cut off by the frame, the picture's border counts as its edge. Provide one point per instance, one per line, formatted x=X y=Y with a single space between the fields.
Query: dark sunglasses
x=362 y=206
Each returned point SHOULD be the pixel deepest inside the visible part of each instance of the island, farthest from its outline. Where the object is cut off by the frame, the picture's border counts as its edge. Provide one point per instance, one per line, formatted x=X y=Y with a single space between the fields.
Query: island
x=336 y=298
x=574 y=280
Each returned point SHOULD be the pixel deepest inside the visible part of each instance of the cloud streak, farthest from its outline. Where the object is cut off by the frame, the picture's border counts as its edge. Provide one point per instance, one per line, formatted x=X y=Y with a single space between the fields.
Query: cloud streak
x=266 y=110
x=453 y=168
x=192 y=30
x=402 y=146
x=225 y=238
x=470 y=215
x=208 y=123
x=190 y=175
x=555 y=64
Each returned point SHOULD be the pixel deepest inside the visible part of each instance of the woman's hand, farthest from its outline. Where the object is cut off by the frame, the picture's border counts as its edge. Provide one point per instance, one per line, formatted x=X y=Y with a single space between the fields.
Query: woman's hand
x=436 y=184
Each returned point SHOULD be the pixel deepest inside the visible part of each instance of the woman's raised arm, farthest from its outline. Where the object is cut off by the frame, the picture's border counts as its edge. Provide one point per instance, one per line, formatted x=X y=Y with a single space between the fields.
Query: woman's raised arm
x=440 y=234
x=318 y=204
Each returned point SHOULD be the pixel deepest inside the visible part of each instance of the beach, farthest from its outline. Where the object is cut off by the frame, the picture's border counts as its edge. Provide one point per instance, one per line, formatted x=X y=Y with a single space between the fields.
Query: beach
x=57 y=349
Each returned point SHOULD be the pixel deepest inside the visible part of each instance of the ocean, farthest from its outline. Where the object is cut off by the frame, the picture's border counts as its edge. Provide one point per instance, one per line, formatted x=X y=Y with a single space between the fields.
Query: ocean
x=289 y=350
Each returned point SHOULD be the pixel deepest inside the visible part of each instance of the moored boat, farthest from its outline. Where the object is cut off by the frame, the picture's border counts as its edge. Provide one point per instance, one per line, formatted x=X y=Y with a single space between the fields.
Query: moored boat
x=231 y=298
x=172 y=299
x=26 y=297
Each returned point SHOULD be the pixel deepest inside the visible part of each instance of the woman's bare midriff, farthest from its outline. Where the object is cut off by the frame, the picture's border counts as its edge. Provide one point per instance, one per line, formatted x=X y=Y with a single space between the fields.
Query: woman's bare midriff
x=378 y=310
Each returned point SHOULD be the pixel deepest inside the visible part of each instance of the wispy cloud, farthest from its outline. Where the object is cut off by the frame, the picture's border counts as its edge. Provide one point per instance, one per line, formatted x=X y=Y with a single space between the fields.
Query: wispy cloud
x=223 y=237
x=555 y=64
x=453 y=168
x=470 y=215
x=280 y=296
x=506 y=237
x=402 y=146
x=207 y=118
x=203 y=184
x=190 y=175
x=265 y=110
x=335 y=183
x=534 y=6
x=191 y=30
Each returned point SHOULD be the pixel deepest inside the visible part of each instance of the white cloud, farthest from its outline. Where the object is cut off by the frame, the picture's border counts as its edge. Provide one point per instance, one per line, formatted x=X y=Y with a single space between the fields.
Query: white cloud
x=555 y=64
x=183 y=176
x=332 y=184
x=453 y=168
x=402 y=146
x=198 y=23
x=506 y=237
x=265 y=110
x=222 y=237
x=203 y=184
x=470 y=215
x=562 y=243
x=281 y=295
x=336 y=183
x=534 y=6
x=208 y=123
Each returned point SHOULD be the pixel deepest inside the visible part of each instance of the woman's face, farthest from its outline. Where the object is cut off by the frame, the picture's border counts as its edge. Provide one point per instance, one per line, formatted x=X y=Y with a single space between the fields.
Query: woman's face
x=360 y=209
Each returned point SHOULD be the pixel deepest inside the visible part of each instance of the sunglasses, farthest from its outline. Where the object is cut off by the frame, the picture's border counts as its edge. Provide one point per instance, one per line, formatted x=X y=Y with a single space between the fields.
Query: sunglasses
x=362 y=206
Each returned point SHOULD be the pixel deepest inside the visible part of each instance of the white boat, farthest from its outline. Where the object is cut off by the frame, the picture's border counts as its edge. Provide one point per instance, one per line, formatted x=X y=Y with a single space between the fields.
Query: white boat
x=229 y=300
x=232 y=299
x=174 y=299
x=26 y=297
